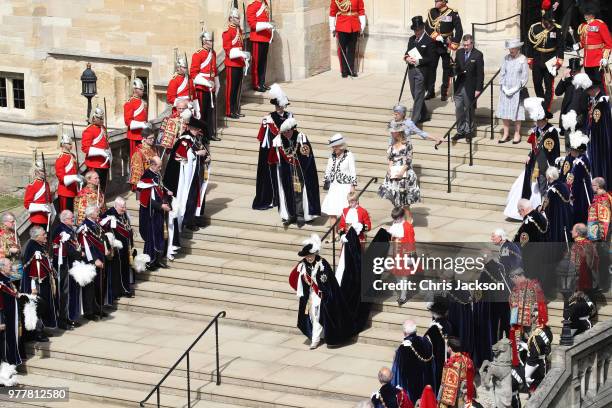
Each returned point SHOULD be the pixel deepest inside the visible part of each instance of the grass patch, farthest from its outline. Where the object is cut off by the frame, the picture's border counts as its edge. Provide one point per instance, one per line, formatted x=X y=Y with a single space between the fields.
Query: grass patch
x=7 y=202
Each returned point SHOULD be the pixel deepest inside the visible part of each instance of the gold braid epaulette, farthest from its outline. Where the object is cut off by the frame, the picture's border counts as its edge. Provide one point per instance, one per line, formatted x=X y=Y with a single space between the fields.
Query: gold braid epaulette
x=538 y=39
x=343 y=5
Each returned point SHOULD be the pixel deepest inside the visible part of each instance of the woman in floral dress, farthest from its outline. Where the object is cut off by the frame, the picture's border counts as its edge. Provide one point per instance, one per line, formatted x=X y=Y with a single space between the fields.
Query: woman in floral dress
x=400 y=185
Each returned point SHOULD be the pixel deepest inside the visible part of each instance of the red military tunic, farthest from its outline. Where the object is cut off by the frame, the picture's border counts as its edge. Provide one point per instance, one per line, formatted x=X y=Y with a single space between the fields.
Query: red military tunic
x=37 y=192
x=204 y=62
x=233 y=38
x=347 y=14
x=362 y=217
x=135 y=109
x=596 y=41
x=66 y=165
x=95 y=136
x=179 y=87
x=257 y=12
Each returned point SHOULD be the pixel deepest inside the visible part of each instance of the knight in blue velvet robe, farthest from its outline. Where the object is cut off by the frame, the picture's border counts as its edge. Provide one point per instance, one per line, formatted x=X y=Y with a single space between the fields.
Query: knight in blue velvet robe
x=439 y=330
x=66 y=250
x=9 y=340
x=153 y=209
x=544 y=152
x=559 y=210
x=38 y=273
x=414 y=365
x=94 y=246
x=117 y=222
x=599 y=130
x=297 y=176
x=581 y=185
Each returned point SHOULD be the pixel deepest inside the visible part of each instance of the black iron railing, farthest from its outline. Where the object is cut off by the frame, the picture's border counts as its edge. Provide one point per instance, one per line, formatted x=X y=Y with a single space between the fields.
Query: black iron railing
x=156 y=389
x=491 y=22
x=470 y=137
x=332 y=229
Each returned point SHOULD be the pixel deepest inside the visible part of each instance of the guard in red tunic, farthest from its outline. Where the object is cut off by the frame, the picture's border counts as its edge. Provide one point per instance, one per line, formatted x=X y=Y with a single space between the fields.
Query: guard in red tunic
x=38 y=197
x=203 y=71
x=347 y=19
x=596 y=41
x=236 y=62
x=69 y=181
x=94 y=143
x=180 y=86
x=262 y=32
x=135 y=115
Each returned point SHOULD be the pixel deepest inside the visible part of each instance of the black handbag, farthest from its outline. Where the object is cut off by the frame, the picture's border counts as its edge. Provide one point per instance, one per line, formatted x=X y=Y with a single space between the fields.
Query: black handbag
x=524 y=93
x=326 y=185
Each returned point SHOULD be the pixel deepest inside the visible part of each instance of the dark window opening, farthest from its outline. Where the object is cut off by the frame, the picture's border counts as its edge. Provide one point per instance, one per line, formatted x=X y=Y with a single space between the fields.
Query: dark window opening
x=145 y=82
x=18 y=94
x=3 y=98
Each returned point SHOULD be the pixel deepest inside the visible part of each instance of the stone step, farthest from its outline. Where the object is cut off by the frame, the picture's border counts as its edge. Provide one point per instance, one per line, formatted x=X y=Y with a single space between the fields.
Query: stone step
x=202 y=392
x=257 y=360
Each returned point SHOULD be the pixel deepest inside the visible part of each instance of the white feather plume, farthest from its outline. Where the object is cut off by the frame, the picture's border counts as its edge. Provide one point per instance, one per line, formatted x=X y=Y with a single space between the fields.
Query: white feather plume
x=578 y=139
x=288 y=124
x=118 y=244
x=7 y=374
x=186 y=114
x=582 y=81
x=30 y=318
x=140 y=262
x=315 y=241
x=534 y=108
x=276 y=92
x=570 y=120
x=82 y=273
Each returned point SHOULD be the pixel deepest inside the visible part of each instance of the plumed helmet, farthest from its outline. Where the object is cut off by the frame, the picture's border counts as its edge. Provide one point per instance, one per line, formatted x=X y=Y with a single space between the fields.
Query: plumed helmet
x=181 y=62
x=288 y=124
x=65 y=139
x=98 y=113
x=205 y=36
x=137 y=84
x=534 y=108
x=311 y=246
x=234 y=13
x=278 y=96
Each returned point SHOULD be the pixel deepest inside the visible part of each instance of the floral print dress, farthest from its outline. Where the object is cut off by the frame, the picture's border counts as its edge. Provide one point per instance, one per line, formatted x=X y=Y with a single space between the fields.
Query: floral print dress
x=400 y=189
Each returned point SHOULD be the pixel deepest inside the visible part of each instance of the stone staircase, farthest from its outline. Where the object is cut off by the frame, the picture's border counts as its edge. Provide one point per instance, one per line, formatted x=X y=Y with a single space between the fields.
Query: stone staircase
x=241 y=260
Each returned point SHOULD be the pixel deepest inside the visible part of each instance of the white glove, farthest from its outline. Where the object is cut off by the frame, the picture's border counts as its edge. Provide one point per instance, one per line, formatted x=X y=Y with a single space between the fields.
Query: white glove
x=332 y=24
x=263 y=25
x=603 y=62
x=186 y=115
x=134 y=125
x=440 y=38
x=36 y=207
x=73 y=178
x=235 y=53
x=217 y=85
x=97 y=152
x=576 y=46
x=362 y=23
x=246 y=55
x=201 y=80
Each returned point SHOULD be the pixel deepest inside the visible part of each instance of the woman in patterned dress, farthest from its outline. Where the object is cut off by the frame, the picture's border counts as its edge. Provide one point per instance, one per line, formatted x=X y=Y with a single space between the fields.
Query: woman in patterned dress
x=400 y=185
x=340 y=178
x=512 y=79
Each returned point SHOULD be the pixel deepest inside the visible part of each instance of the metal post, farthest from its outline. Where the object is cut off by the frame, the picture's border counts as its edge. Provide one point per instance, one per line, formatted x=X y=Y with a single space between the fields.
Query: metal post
x=448 y=164
x=88 y=109
x=217 y=348
x=334 y=247
x=188 y=383
x=470 y=141
x=566 y=332
x=473 y=33
x=158 y=403
x=491 y=110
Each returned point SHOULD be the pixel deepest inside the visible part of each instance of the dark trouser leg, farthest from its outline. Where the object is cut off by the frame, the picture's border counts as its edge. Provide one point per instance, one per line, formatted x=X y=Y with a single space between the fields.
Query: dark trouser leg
x=603 y=250
x=237 y=74
x=350 y=50
x=90 y=306
x=99 y=287
x=263 y=62
x=549 y=86
x=207 y=112
x=229 y=81
x=417 y=89
x=255 y=50
x=64 y=203
x=63 y=295
x=595 y=74
x=433 y=70
x=103 y=175
x=347 y=42
x=446 y=73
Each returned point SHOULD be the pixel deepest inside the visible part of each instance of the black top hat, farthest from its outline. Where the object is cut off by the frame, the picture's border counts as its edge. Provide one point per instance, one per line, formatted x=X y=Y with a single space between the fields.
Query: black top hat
x=590 y=7
x=417 y=22
x=439 y=305
x=575 y=64
x=596 y=83
x=275 y=102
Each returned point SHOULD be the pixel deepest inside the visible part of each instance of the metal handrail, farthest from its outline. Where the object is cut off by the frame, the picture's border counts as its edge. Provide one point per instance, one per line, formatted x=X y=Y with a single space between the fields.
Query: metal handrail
x=214 y=321
x=447 y=134
x=332 y=229
x=491 y=22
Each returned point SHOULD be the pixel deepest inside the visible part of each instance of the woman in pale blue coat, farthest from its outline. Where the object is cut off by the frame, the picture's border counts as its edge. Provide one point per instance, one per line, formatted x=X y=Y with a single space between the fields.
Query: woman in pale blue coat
x=512 y=78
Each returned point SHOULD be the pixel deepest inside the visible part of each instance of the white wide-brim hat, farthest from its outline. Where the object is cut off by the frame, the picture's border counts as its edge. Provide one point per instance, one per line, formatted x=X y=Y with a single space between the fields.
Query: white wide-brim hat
x=336 y=140
x=515 y=43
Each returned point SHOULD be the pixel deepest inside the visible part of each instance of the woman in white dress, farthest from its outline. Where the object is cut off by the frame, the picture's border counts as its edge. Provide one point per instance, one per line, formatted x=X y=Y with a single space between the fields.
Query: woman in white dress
x=340 y=178
x=512 y=80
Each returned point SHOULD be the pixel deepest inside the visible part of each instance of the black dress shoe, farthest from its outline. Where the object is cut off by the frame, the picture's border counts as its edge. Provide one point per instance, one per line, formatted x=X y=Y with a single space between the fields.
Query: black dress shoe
x=103 y=314
x=162 y=265
x=354 y=74
x=91 y=317
x=215 y=139
x=261 y=89
x=444 y=98
x=151 y=266
x=40 y=337
x=430 y=96
x=192 y=227
x=267 y=87
x=127 y=294
x=458 y=136
x=73 y=323
x=64 y=326
x=300 y=222
x=240 y=115
x=344 y=75
x=427 y=119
